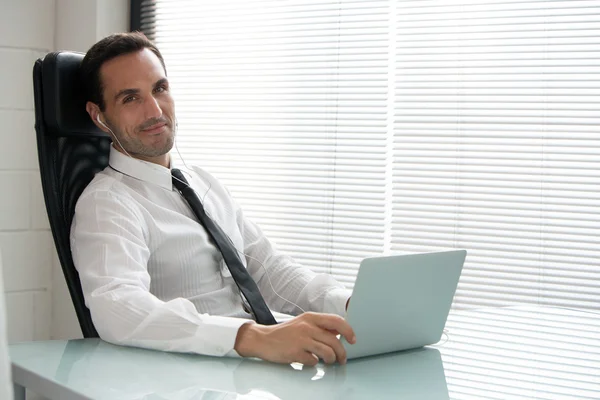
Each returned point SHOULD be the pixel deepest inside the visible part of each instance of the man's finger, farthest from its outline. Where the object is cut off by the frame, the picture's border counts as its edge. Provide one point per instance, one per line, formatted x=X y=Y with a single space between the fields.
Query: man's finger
x=323 y=351
x=307 y=358
x=331 y=341
x=335 y=323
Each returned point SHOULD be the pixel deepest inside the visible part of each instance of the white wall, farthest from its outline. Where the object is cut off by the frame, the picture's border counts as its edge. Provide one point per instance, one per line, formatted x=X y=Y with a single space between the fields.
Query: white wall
x=38 y=304
x=26 y=33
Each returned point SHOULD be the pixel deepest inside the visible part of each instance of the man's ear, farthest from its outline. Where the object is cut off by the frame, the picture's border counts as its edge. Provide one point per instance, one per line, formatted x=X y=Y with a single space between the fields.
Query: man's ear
x=94 y=111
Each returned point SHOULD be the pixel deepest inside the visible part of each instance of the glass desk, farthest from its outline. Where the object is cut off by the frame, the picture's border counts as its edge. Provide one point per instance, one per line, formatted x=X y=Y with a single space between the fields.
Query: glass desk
x=500 y=353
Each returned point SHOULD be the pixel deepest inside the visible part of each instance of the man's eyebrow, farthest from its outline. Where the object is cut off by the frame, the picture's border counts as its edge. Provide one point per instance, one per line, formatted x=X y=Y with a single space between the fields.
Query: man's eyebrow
x=125 y=92
x=161 y=82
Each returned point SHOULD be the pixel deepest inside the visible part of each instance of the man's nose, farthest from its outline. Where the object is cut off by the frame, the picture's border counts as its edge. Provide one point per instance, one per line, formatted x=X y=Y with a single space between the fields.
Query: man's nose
x=152 y=108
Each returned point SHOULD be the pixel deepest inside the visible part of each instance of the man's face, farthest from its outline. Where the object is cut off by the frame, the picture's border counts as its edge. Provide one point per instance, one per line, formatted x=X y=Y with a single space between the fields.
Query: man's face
x=139 y=108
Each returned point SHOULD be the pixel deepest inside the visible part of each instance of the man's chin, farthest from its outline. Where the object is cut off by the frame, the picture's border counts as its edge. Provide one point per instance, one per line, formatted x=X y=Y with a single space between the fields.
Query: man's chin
x=148 y=152
x=159 y=149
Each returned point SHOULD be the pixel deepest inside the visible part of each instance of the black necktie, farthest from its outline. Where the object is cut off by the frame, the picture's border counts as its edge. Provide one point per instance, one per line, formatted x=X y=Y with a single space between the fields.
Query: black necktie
x=240 y=274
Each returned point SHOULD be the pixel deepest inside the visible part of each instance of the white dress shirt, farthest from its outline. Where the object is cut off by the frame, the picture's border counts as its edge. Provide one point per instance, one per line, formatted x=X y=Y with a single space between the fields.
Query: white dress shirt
x=151 y=276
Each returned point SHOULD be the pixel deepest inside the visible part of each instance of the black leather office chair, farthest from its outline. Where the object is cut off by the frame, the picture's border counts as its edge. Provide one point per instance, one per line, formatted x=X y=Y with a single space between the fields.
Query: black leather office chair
x=71 y=149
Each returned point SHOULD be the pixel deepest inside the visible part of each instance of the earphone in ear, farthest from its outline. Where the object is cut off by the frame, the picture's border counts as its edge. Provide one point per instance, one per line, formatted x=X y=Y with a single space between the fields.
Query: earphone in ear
x=100 y=122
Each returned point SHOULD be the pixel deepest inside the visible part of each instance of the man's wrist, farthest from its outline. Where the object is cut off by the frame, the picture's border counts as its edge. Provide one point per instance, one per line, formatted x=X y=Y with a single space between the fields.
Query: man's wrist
x=247 y=339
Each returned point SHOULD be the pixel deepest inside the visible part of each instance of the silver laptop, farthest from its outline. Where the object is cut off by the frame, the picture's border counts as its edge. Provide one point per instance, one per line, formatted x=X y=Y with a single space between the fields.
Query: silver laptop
x=402 y=302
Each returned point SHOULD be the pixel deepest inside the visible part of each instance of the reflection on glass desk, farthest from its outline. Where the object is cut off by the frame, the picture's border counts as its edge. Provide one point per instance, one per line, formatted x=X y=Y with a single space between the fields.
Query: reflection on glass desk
x=502 y=353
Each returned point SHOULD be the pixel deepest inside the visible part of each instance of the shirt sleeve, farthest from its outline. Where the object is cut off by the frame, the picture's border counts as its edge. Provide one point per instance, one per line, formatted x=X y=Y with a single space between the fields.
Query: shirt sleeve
x=109 y=250
x=287 y=286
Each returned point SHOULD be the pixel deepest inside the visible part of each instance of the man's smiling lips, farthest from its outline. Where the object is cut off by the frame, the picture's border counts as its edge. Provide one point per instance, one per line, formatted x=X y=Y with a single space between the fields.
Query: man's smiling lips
x=154 y=129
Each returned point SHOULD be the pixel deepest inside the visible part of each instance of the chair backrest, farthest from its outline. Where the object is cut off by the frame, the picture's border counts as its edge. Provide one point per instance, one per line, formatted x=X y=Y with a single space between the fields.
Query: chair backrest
x=71 y=149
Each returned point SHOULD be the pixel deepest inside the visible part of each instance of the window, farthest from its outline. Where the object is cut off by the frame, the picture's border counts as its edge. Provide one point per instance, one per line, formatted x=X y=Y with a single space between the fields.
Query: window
x=355 y=128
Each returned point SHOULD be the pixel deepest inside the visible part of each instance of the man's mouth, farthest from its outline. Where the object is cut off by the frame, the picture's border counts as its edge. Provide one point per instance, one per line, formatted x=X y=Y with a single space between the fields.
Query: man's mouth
x=156 y=128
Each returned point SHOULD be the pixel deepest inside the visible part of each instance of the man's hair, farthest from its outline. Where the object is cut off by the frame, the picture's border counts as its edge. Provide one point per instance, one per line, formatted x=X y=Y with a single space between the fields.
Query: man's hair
x=106 y=49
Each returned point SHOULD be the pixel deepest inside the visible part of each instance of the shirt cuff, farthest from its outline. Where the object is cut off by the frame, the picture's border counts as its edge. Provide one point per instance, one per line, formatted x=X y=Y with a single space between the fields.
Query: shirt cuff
x=224 y=330
x=335 y=301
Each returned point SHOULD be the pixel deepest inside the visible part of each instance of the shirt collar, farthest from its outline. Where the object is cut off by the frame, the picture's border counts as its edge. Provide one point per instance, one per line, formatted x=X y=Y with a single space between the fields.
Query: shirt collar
x=142 y=170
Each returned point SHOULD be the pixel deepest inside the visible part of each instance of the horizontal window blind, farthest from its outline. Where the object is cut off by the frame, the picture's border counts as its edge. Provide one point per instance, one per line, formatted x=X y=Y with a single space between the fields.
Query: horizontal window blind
x=287 y=103
x=355 y=128
x=497 y=145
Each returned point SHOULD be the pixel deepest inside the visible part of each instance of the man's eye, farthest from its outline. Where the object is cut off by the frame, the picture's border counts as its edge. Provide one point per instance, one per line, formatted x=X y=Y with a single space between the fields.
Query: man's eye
x=160 y=89
x=128 y=99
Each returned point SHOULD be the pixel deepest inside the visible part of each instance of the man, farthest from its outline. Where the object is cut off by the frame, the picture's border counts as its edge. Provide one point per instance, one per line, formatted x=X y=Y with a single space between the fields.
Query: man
x=153 y=273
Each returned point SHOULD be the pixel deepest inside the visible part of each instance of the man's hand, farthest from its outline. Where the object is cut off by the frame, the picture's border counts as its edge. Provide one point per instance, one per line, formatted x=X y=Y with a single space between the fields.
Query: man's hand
x=304 y=339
